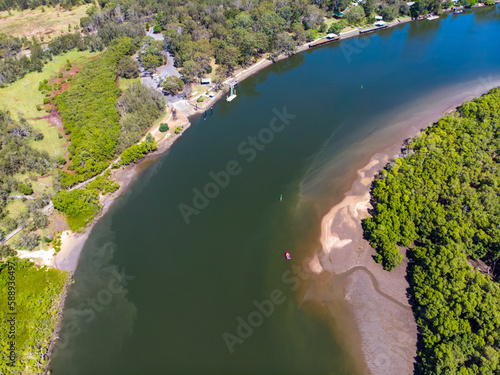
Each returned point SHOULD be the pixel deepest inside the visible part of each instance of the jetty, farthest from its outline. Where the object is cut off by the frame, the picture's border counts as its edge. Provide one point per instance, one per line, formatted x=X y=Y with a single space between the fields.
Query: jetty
x=233 y=92
x=327 y=40
x=371 y=29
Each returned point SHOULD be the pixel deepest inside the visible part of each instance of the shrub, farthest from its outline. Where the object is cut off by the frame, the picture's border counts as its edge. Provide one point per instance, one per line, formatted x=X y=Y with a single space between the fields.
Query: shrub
x=136 y=152
x=178 y=130
x=79 y=206
x=25 y=189
x=164 y=127
x=173 y=84
x=38 y=108
x=46 y=100
x=157 y=29
x=6 y=251
x=28 y=241
x=200 y=99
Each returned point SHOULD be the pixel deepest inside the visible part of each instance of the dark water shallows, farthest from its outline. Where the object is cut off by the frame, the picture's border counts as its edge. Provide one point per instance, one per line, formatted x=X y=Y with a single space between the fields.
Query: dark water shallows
x=154 y=295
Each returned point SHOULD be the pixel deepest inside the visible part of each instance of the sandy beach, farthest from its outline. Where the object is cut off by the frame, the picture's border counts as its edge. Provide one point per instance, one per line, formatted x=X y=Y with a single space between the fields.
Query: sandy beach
x=377 y=299
x=72 y=243
x=384 y=326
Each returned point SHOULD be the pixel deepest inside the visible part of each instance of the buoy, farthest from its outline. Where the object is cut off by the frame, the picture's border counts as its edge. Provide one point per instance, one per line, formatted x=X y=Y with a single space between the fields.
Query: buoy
x=287 y=255
x=281 y=197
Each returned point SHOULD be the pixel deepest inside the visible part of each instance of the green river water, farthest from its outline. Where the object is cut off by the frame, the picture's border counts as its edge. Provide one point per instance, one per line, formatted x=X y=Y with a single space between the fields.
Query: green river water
x=154 y=294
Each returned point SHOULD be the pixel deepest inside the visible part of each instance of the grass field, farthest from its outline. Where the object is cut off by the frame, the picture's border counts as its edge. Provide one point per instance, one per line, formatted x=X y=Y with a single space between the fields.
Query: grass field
x=126 y=82
x=23 y=96
x=52 y=22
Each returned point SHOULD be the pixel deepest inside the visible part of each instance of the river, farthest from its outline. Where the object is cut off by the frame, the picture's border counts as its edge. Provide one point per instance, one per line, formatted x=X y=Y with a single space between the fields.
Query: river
x=170 y=282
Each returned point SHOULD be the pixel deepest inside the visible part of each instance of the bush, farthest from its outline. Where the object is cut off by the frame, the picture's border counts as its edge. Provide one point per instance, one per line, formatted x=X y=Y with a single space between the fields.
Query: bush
x=200 y=99
x=336 y=27
x=38 y=108
x=46 y=100
x=6 y=251
x=28 y=241
x=157 y=29
x=311 y=35
x=173 y=84
x=79 y=206
x=136 y=152
x=128 y=67
x=40 y=220
x=164 y=127
x=178 y=130
x=25 y=189
x=60 y=75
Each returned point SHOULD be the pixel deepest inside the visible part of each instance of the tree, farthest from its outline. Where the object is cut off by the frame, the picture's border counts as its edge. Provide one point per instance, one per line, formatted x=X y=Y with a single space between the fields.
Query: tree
x=298 y=32
x=151 y=61
x=128 y=67
x=336 y=27
x=388 y=12
x=28 y=241
x=163 y=127
x=173 y=85
x=416 y=9
x=354 y=15
x=190 y=71
x=217 y=81
x=284 y=44
x=40 y=220
x=228 y=58
x=368 y=7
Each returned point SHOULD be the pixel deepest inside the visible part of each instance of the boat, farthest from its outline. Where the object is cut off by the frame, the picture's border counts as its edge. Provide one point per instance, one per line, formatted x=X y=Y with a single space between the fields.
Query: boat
x=287 y=255
x=459 y=11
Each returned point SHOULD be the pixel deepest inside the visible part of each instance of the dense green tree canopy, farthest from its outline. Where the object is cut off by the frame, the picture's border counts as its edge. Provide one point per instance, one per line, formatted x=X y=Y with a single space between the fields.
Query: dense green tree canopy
x=444 y=200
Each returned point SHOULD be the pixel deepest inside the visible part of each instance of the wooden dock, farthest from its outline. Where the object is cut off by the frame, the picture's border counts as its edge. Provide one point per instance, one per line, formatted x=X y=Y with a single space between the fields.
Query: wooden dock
x=371 y=29
x=322 y=42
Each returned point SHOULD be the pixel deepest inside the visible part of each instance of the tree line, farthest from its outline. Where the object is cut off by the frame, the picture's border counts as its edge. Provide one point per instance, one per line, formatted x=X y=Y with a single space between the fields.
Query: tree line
x=442 y=202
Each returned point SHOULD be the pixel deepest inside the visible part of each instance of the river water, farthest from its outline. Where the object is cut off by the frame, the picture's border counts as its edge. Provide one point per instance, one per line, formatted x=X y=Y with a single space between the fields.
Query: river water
x=170 y=282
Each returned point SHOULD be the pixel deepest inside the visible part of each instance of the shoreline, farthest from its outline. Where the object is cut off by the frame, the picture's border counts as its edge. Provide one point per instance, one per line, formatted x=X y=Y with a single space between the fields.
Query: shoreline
x=72 y=244
x=376 y=299
x=241 y=75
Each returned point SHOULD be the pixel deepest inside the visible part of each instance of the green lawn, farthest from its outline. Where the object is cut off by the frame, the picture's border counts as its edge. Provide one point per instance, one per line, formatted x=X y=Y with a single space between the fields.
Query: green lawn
x=51 y=22
x=126 y=82
x=23 y=96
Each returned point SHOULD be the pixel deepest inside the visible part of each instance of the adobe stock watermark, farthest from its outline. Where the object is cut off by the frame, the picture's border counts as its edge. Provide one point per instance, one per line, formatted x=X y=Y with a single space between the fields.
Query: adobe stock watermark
x=248 y=149
x=87 y=310
x=353 y=46
x=245 y=327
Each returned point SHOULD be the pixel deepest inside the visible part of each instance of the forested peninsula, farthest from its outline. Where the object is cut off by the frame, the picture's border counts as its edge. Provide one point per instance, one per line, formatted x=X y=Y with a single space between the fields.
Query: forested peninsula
x=440 y=204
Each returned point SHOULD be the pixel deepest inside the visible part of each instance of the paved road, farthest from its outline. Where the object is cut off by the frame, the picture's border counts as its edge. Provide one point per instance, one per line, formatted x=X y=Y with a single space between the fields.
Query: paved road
x=163 y=71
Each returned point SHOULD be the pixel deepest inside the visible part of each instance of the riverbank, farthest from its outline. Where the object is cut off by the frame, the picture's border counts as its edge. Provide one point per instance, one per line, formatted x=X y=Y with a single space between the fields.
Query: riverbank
x=72 y=243
x=190 y=109
x=377 y=299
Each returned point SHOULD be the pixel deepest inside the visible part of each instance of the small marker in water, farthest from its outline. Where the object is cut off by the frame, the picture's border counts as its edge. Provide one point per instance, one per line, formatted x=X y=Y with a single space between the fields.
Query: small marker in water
x=361 y=87
x=281 y=197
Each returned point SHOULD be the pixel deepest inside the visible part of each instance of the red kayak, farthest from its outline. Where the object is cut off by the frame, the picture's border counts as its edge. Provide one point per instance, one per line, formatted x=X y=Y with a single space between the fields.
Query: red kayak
x=287 y=255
